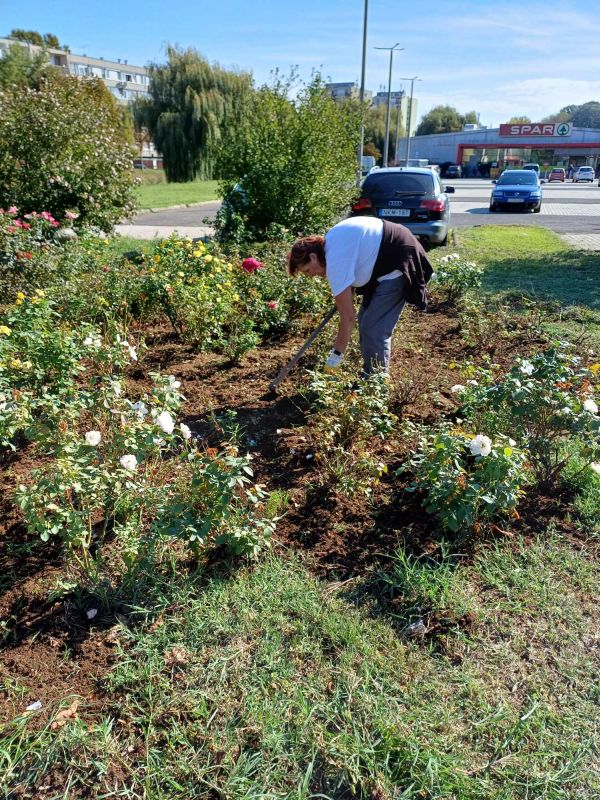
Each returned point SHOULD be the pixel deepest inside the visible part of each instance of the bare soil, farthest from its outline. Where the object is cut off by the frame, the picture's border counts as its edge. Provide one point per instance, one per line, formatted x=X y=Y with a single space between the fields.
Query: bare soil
x=49 y=647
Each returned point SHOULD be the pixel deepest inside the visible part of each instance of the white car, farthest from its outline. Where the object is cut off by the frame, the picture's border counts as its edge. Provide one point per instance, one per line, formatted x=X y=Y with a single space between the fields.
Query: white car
x=584 y=174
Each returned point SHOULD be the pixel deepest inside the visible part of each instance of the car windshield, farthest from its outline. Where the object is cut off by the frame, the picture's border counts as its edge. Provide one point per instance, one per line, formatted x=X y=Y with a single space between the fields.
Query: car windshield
x=390 y=183
x=518 y=178
x=560 y=171
x=585 y=169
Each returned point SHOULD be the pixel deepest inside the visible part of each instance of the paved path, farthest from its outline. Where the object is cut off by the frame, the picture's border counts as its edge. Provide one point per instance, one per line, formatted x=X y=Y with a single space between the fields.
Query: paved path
x=186 y=220
x=584 y=241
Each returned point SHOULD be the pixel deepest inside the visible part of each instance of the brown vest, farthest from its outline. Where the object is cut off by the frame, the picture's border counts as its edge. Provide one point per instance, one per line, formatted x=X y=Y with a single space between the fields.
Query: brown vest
x=400 y=250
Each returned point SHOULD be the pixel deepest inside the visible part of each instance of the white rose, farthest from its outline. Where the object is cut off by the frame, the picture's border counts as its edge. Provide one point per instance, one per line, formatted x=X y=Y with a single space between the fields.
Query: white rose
x=185 y=431
x=458 y=387
x=140 y=408
x=595 y=466
x=165 y=422
x=481 y=445
x=128 y=462
x=93 y=438
x=590 y=406
x=527 y=367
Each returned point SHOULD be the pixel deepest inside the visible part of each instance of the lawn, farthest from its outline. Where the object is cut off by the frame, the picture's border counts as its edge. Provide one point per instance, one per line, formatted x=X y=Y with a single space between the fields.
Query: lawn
x=298 y=676
x=155 y=192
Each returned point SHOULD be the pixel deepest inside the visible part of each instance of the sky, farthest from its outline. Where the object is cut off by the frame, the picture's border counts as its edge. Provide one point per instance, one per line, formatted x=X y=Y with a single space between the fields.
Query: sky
x=501 y=58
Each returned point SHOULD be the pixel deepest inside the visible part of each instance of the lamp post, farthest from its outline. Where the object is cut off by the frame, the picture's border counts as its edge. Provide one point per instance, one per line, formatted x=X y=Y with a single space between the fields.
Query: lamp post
x=386 y=145
x=362 y=95
x=409 y=116
x=398 y=109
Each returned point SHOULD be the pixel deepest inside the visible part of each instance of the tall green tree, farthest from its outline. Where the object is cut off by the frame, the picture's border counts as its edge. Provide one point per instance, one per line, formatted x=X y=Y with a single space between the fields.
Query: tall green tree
x=291 y=166
x=444 y=119
x=19 y=68
x=36 y=38
x=375 y=119
x=522 y=120
x=193 y=107
x=587 y=115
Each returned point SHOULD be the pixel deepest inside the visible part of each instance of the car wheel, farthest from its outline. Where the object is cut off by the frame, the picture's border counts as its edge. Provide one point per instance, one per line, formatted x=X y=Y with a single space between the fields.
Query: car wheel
x=493 y=207
x=538 y=209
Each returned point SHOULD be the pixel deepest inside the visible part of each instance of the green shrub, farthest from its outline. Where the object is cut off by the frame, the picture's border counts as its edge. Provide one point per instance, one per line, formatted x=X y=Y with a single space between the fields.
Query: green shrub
x=291 y=165
x=548 y=404
x=62 y=150
x=456 y=277
x=466 y=479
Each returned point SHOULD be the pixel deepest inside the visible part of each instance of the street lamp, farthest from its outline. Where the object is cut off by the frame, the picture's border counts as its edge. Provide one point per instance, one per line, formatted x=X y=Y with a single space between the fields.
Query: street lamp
x=409 y=116
x=362 y=96
x=386 y=145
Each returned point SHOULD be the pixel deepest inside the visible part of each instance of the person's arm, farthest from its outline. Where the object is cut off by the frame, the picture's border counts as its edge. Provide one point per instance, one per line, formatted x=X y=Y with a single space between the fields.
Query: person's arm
x=345 y=306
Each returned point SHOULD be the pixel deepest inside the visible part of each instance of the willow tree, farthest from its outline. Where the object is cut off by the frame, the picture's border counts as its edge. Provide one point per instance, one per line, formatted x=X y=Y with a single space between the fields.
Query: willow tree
x=193 y=106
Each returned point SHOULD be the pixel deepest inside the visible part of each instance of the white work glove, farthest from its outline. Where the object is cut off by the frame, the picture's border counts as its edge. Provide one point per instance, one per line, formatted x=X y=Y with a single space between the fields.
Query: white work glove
x=334 y=359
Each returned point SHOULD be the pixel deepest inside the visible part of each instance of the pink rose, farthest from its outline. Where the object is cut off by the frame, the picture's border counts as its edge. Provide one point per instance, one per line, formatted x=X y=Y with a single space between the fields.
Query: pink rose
x=250 y=265
x=13 y=210
x=273 y=304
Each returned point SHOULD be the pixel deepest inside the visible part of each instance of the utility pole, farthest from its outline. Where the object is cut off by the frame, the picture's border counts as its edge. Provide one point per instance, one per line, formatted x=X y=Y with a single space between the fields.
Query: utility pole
x=386 y=144
x=398 y=109
x=409 y=116
x=362 y=95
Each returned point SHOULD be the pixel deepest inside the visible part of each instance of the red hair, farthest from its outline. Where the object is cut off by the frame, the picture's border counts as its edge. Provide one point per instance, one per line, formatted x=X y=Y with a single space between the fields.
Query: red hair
x=302 y=249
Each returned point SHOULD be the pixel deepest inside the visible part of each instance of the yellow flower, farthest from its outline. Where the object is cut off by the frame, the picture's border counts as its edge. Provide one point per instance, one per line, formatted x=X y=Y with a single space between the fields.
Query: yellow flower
x=235 y=297
x=208 y=258
x=157 y=259
x=152 y=269
x=197 y=253
x=16 y=363
x=181 y=274
x=5 y=330
x=104 y=241
x=40 y=293
x=35 y=300
x=594 y=369
x=20 y=298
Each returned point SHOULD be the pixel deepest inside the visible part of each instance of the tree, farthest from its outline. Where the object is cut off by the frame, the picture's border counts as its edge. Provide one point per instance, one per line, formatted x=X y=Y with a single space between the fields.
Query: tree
x=19 y=68
x=519 y=120
x=375 y=119
x=291 y=164
x=74 y=156
x=587 y=115
x=445 y=119
x=33 y=37
x=192 y=108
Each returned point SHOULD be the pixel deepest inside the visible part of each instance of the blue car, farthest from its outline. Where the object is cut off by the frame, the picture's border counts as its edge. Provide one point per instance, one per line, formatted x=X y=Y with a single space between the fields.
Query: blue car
x=517 y=188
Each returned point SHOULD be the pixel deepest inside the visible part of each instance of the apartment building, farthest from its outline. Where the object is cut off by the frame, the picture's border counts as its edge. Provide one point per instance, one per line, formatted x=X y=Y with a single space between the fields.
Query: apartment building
x=398 y=100
x=124 y=80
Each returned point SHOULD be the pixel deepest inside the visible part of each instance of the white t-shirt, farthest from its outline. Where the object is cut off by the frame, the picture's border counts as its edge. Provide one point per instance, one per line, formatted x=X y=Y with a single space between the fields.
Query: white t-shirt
x=351 y=249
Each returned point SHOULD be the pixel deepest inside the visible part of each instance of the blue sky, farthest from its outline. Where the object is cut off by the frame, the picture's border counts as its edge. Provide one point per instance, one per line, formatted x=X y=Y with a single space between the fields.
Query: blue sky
x=499 y=58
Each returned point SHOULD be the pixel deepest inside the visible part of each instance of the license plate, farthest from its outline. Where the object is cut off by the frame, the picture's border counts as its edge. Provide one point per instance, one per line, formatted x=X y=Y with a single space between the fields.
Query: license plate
x=394 y=212
x=515 y=199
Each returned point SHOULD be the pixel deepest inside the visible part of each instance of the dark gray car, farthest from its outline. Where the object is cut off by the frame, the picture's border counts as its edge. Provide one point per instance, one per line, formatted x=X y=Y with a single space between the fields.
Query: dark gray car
x=412 y=196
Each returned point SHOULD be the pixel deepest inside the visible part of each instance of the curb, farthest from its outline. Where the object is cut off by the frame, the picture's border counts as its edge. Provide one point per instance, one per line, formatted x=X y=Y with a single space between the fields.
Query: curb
x=181 y=205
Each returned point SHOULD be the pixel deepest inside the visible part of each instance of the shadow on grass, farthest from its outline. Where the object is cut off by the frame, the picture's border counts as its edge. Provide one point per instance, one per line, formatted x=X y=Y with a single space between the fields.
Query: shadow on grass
x=566 y=277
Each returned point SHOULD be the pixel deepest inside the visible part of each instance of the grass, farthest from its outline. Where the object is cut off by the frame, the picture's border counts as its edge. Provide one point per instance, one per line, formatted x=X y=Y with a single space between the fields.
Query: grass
x=155 y=192
x=534 y=264
x=267 y=684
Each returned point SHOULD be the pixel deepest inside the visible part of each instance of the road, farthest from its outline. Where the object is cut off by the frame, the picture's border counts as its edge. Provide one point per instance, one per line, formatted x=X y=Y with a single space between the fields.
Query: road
x=567 y=208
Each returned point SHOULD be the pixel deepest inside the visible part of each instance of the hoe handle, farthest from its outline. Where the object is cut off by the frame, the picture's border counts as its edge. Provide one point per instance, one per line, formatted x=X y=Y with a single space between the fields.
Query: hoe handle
x=294 y=360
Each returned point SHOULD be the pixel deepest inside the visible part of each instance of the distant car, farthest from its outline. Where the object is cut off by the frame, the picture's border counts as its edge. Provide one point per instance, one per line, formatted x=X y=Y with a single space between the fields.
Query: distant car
x=454 y=171
x=517 y=188
x=584 y=174
x=534 y=167
x=412 y=196
x=557 y=174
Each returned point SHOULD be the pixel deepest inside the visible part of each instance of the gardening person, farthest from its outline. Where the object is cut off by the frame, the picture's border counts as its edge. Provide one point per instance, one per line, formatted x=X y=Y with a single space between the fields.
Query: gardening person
x=380 y=260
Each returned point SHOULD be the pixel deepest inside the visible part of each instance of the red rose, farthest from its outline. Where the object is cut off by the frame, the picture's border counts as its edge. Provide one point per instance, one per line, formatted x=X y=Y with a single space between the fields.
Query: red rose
x=273 y=304
x=250 y=265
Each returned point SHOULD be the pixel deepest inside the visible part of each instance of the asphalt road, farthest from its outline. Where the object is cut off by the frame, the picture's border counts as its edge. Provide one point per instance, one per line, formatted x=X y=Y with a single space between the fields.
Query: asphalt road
x=566 y=208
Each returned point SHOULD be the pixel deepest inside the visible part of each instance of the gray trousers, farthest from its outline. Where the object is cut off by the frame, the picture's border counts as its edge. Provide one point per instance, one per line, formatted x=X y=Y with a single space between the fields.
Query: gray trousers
x=376 y=324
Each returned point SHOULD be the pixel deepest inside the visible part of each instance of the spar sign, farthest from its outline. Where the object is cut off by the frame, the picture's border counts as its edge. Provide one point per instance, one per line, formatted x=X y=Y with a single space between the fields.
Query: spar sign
x=536 y=129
